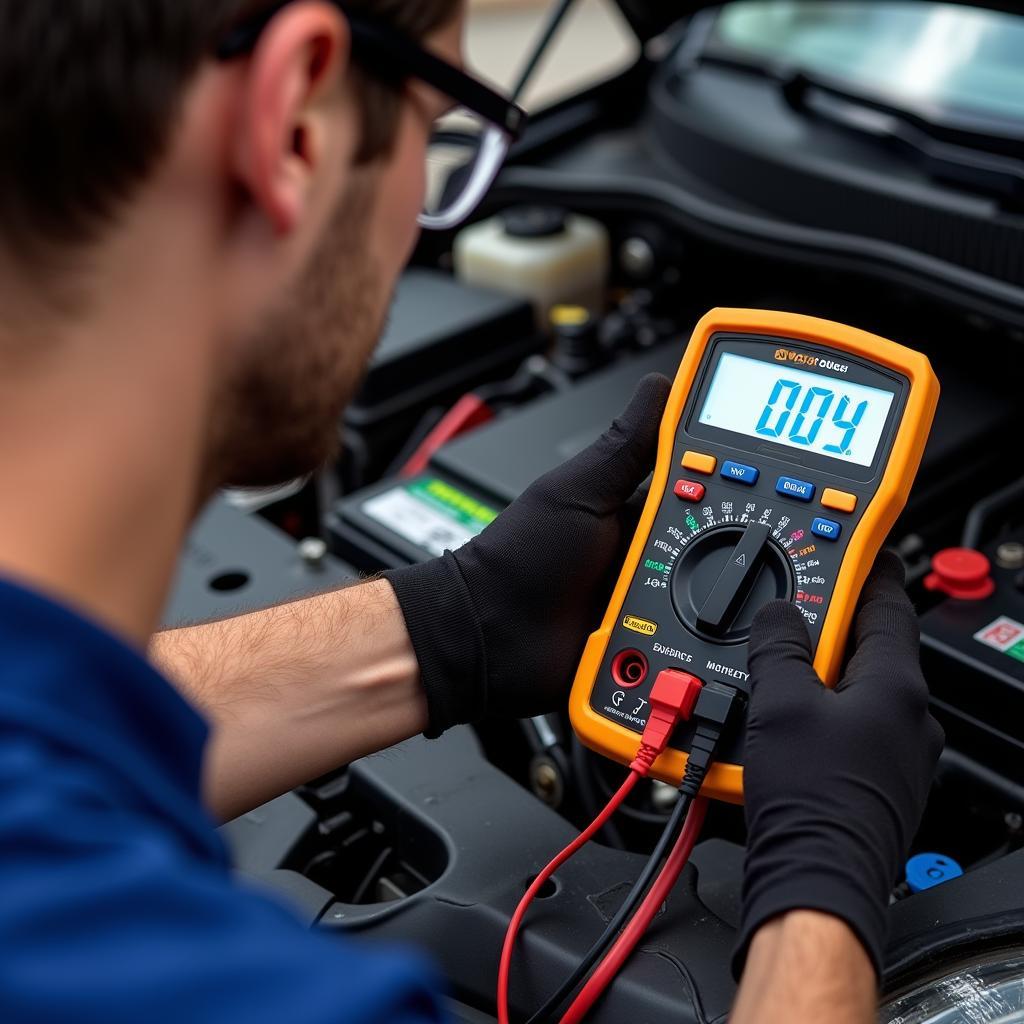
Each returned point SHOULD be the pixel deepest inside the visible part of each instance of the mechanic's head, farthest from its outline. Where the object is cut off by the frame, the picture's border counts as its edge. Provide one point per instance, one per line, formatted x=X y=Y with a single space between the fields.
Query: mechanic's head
x=277 y=192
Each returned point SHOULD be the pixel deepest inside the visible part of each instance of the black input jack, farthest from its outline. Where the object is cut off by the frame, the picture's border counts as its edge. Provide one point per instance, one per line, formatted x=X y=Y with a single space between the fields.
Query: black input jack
x=629 y=668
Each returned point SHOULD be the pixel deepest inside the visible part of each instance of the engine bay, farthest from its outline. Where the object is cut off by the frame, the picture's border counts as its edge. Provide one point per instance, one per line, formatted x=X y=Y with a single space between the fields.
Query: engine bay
x=693 y=180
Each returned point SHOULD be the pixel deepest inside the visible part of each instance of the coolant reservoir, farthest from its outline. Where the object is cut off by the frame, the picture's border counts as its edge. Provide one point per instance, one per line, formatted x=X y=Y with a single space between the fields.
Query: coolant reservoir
x=540 y=253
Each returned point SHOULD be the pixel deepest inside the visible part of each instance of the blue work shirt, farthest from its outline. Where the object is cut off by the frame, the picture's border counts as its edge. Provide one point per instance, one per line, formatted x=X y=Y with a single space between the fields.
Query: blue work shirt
x=116 y=903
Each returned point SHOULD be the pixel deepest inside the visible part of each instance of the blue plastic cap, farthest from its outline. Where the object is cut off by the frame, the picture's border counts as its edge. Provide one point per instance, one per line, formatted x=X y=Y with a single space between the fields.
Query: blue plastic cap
x=927 y=870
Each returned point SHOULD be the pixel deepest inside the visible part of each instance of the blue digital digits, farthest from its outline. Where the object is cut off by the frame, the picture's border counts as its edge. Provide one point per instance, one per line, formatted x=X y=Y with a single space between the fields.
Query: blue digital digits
x=826 y=397
x=821 y=398
x=769 y=409
x=850 y=426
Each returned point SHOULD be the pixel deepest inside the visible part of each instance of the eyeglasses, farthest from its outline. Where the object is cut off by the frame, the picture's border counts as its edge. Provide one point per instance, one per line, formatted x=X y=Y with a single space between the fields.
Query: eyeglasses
x=468 y=144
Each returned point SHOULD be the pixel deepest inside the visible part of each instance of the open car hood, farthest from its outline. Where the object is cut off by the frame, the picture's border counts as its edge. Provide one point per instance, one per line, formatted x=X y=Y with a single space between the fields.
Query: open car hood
x=650 y=18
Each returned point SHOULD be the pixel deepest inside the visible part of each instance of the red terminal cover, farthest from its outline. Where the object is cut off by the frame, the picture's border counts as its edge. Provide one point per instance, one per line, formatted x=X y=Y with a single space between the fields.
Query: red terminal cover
x=962 y=573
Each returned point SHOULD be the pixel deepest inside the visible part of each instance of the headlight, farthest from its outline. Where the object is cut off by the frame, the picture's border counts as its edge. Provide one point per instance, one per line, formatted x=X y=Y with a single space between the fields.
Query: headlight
x=990 y=991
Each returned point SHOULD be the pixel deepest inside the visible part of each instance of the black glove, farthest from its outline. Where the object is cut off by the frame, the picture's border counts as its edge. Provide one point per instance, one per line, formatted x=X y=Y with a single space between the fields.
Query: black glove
x=835 y=781
x=498 y=626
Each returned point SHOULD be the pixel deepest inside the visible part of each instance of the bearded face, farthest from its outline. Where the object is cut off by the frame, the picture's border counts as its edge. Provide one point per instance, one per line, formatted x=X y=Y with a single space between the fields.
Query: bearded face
x=277 y=416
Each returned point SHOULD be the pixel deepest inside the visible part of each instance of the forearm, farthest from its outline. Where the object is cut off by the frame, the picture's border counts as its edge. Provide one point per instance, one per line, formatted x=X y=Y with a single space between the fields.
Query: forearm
x=297 y=690
x=806 y=966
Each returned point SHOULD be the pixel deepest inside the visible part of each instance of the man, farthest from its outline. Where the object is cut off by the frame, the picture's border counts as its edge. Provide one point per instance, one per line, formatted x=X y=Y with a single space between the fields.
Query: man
x=204 y=205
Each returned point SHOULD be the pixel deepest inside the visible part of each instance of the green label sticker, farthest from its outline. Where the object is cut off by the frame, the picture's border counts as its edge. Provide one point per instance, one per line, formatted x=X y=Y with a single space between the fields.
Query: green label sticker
x=431 y=514
x=458 y=504
x=1017 y=650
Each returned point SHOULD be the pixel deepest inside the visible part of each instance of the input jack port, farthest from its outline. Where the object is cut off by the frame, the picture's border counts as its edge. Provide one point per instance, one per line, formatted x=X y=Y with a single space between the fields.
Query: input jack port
x=629 y=668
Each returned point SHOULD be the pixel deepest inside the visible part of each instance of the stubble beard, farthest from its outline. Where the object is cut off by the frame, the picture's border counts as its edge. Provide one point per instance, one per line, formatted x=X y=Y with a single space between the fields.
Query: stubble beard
x=278 y=417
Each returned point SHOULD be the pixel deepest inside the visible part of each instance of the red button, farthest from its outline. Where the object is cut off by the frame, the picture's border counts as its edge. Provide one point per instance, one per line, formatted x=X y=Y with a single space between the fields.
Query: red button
x=962 y=573
x=689 y=490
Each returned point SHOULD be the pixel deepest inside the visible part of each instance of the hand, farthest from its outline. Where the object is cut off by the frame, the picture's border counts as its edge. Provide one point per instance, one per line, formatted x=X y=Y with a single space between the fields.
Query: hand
x=498 y=626
x=835 y=780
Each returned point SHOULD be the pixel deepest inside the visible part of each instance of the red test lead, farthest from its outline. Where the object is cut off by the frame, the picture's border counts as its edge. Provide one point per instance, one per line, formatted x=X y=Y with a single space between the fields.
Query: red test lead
x=617 y=956
x=673 y=698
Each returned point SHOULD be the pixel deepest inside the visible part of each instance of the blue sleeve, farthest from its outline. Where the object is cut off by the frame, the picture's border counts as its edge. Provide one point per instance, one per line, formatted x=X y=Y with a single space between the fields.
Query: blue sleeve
x=105 y=916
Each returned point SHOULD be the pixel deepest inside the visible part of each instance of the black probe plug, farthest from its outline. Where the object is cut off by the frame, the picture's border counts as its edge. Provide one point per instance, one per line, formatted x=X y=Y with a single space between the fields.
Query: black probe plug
x=712 y=713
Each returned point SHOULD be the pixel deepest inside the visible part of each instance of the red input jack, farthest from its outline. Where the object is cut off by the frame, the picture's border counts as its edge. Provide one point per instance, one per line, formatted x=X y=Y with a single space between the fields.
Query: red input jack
x=629 y=668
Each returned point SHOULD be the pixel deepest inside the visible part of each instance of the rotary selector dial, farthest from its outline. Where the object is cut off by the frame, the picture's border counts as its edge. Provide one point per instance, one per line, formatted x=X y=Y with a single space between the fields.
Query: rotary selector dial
x=725 y=576
x=687 y=557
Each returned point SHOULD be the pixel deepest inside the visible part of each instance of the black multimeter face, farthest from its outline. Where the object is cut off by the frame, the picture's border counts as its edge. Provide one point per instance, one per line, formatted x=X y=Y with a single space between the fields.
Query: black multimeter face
x=779 y=450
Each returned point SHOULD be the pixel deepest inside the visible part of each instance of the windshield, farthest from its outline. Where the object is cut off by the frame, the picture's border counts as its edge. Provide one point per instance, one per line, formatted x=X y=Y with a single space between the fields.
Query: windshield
x=923 y=55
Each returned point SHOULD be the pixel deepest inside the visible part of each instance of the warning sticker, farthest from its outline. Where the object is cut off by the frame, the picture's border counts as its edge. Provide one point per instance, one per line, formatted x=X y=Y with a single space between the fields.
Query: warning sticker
x=430 y=514
x=639 y=625
x=1005 y=635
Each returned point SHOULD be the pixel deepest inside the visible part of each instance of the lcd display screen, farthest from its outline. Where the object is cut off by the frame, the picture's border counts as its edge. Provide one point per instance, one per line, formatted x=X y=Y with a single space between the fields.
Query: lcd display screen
x=836 y=418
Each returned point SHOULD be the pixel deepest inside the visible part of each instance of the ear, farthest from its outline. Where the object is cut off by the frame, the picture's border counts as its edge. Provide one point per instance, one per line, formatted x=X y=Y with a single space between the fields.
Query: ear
x=296 y=67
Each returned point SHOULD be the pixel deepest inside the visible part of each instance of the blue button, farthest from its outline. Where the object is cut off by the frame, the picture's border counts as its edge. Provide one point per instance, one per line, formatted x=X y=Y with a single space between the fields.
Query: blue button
x=826 y=528
x=927 y=870
x=740 y=473
x=799 y=489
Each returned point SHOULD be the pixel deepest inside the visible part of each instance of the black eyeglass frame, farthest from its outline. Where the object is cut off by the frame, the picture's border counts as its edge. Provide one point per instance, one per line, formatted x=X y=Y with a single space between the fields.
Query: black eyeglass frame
x=386 y=53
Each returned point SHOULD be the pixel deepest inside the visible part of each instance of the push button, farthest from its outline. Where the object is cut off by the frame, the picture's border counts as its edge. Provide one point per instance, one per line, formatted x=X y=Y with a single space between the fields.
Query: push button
x=689 y=490
x=698 y=462
x=841 y=501
x=826 y=528
x=739 y=473
x=791 y=488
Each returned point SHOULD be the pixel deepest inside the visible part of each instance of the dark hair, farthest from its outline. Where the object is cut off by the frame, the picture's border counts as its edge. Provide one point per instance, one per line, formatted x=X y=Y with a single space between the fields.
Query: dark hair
x=90 y=89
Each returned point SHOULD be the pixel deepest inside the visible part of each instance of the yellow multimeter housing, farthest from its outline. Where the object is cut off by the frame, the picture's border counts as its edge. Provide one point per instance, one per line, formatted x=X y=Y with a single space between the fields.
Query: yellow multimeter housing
x=787 y=450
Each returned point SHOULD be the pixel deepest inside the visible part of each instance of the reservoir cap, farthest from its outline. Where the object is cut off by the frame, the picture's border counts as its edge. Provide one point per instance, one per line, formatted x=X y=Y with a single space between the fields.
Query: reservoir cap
x=534 y=221
x=927 y=870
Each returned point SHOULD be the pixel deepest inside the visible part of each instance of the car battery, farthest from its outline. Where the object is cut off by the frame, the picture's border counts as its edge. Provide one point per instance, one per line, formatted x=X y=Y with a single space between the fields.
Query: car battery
x=443 y=338
x=471 y=479
x=467 y=483
x=972 y=652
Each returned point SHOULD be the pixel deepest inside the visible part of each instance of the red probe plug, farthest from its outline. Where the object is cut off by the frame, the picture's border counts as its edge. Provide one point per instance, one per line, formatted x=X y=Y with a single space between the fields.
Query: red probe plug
x=673 y=697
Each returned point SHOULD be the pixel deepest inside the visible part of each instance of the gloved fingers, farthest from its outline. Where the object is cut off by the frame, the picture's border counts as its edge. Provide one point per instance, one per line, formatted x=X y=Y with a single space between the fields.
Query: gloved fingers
x=780 y=654
x=605 y=475
x=778 y=631
x=936 y=739
x=887 y=576
x=631 y=512
x=886 y=628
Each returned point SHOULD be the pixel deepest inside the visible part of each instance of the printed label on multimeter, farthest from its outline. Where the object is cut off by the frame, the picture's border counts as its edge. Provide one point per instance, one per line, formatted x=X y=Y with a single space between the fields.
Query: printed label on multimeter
x=785 y=454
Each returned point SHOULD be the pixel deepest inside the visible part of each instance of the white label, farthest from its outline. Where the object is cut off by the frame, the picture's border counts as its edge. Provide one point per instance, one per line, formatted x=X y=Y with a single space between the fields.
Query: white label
x=1001 y=634
x=415 y=520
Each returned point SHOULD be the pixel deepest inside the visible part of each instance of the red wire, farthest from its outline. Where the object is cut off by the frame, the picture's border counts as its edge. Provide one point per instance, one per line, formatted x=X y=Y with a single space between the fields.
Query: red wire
x=619 y=953
x=584 y=837
x=468 y=412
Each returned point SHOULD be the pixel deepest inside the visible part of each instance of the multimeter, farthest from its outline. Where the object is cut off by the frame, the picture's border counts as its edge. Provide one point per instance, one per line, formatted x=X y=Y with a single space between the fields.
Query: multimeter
x=787 y=449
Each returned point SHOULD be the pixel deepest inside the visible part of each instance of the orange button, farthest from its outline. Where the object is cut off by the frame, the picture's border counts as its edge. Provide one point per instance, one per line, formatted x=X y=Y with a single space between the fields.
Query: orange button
x=841 y=501
x=699 y=463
